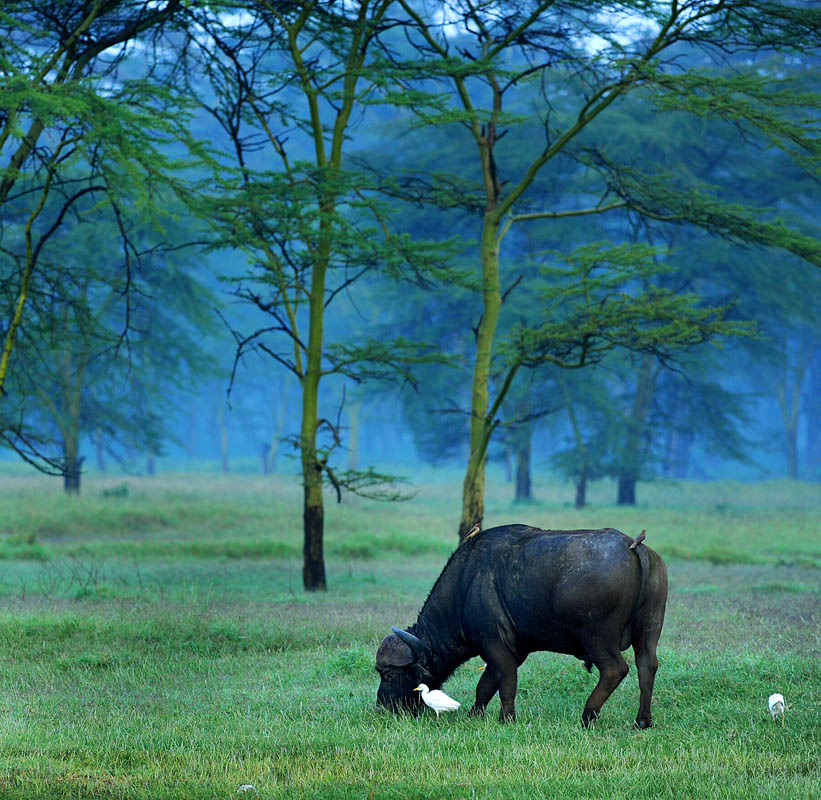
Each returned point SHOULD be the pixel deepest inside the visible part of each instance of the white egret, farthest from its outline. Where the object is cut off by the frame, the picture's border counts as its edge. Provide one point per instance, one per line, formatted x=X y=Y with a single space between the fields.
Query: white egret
x=776 y=705
x=437 y=700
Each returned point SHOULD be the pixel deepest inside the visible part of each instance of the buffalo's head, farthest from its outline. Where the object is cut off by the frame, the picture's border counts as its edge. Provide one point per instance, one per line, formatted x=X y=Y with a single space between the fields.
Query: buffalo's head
x=398 y=664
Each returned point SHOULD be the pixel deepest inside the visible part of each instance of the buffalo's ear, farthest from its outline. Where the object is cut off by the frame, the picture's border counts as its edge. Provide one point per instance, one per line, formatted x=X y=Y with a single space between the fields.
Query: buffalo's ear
x=414 y=642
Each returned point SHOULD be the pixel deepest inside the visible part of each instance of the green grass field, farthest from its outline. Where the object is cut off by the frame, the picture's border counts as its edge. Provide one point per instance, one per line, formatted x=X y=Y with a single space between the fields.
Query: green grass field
x=155 y=642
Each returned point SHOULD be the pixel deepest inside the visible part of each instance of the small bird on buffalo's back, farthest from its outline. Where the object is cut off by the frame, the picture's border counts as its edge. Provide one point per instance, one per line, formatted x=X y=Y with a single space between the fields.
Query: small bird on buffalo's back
x=638 y=540
x=776 y=706
x=436 y=699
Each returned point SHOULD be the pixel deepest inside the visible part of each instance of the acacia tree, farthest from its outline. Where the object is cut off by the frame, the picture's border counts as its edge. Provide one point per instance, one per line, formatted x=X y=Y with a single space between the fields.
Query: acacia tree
x=286 y=83
x=484 y=59
x=75 y=377
x=784 y=300
x=76 y=122
x=593 y=420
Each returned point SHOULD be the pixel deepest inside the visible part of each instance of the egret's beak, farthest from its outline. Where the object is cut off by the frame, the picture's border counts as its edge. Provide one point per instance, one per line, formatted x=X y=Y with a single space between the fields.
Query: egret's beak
x=417 y=689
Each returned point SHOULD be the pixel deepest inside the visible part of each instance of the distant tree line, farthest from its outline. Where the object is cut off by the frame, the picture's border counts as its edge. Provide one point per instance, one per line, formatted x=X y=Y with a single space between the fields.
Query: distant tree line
x=595 y=220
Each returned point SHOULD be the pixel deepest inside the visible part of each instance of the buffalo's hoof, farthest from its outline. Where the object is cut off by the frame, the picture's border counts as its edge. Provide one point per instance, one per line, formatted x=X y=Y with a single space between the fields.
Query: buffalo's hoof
x=509 y=716
x=588 y=718
x=476 y=712
x=643 y=722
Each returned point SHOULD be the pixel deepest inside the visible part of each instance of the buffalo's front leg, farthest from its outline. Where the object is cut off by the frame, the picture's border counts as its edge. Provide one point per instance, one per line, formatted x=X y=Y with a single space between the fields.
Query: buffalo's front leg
x=485 y=689
x=501 y=673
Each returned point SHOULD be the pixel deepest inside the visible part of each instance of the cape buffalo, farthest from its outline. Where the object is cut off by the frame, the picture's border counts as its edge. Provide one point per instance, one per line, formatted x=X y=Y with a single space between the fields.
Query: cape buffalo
x=509 y=591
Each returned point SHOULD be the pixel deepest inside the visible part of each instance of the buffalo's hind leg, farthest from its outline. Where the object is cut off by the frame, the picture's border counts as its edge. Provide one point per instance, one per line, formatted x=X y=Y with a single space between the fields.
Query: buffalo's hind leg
x=612 y=670
x=647 y=664
x=647 y=629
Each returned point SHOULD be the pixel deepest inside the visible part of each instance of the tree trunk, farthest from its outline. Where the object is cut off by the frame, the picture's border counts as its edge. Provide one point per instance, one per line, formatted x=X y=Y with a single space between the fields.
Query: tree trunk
x=631 y=462
x=473 y=500
x=671 y=443
x=223 y=433
x=273 y=448
x=473 y=488
x=22 y=297
x=671 y=449
x=353 y=437
x=99 y=452
x=789 y=400
x=73 y=465
x=523 y=456
x=313 y=512
x=190 y=443
x=72 y=476
x=792 y=452
x=151 y=465
x=273 y=451
x=313 y=557
x=684 y=446
x=581 y=489
x=627 y=490
x=580 y=480
x=72 y=372
x=812 y=448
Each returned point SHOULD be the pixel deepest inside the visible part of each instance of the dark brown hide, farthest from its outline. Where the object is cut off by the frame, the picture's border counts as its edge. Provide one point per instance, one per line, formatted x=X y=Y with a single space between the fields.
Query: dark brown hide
x=513 y=590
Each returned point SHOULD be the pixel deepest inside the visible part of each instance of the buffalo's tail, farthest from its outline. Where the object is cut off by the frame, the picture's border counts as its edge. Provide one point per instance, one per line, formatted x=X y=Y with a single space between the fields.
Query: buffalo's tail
x=652 y=597
x=646 y=624
x=644 y=562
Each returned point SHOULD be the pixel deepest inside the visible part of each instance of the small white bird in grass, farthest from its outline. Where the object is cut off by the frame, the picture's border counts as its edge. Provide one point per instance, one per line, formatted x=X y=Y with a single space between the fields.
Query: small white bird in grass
x=776 y=704
x=436 y=699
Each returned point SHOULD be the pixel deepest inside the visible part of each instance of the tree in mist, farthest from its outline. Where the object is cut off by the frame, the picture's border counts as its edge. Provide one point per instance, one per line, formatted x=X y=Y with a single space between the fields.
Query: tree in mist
x=813 y=430
x=77 y=123
x=286 y=85
x=528 y=403
x=518 y=437
x=77 y=375
x=480 y=59
x=691 y=408
x=786 y=307
x=698 y=408
x=592 y=420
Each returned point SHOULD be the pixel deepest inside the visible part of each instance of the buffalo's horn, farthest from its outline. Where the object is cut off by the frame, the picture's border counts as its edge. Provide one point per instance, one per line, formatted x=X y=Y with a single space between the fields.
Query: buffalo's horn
x=414 y=642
